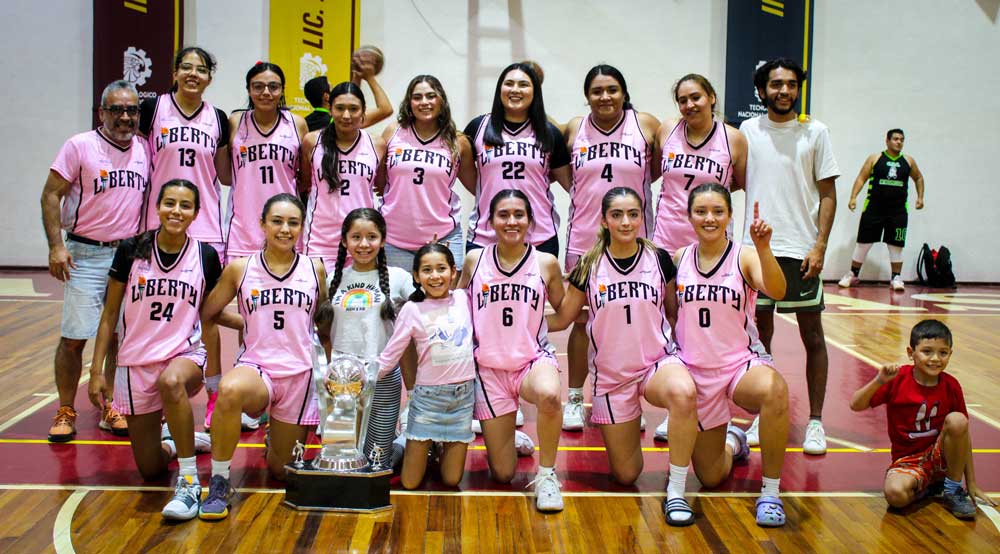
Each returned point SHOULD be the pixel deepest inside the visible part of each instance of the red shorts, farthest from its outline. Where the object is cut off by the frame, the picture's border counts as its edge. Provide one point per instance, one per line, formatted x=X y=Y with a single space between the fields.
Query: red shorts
x=136 y=392
x=290 y=399
x=926 y=467
x=623 y=403
x=716 y=388
x=498 y=391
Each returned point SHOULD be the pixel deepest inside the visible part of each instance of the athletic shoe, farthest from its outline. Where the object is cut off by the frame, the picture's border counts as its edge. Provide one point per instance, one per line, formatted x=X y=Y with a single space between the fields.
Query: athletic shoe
x=404 y=415
x=897 y=283
x=743 y=451
x=186 y=501
x=753 y=433
x=548 y=492
x=519 y=418
x=216 y=504
x=523 y=444
x=63 y=425
x=248 y=423
x=477 y=427
x=209 y=408
x=848 y=280
x=642 y=423
x=960 y=504
x=113 y=422
x=815 y=442
x=202 y=441
x=660 y=434
x=573 y=415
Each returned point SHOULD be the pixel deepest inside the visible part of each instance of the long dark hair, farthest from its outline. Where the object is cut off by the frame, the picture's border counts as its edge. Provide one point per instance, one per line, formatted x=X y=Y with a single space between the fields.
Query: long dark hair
x=581 y=272
x=444 y=122
x=144 y=241
x=610 y=71
x=418 y=294
x=206 y=59
x=328 y=137
x=388 y=311
x=536 y=112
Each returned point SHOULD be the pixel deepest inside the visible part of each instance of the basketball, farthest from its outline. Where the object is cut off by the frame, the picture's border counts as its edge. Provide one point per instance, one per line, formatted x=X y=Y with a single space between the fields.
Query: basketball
x=368 y=54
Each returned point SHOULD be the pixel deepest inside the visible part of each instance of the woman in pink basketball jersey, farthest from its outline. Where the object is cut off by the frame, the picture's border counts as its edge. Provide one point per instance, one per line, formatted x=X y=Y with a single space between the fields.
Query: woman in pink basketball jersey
x=509 y=283
x=157 y=284
x=610 y=147
x=342 y=161
x=627 y=284
x=698 y=148
x=278 y=291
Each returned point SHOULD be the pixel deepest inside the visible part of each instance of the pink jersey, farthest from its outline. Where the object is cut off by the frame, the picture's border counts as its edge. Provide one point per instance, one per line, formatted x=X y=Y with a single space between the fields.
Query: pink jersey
x=329 y=204
x=107 y=184
x=715 y=325
x=627 y=327
x=441 y=330
x=518 y=164
x=508 y=311
x=184 y=147
x=419 y=199
x=263 y=165
x=684 y=167
x=278 y=316
x=602 y=161
x=159 y=318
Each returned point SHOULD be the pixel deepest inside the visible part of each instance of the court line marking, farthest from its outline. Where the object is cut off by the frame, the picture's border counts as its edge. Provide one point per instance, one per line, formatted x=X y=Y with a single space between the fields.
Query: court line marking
x=991 y=513
x=62 y=529
x=30 y=410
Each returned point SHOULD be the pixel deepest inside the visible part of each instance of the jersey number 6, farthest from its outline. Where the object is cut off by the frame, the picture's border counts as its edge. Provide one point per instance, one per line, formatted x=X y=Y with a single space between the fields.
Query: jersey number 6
x=507 y=317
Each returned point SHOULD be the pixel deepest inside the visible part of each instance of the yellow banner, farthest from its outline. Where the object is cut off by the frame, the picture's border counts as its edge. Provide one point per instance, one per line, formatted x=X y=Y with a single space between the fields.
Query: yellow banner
x=309 y=38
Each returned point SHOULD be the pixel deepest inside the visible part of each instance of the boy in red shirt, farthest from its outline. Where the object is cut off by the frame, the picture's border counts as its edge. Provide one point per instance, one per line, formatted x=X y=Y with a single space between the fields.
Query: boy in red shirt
x=928 y=424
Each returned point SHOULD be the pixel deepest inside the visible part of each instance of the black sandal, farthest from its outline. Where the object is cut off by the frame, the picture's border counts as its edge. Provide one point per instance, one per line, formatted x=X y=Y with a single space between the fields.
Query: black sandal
x=678 y=505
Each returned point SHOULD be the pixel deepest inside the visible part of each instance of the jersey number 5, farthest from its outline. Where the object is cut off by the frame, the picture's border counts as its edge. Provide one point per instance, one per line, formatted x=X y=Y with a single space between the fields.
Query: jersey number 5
x=279 y=319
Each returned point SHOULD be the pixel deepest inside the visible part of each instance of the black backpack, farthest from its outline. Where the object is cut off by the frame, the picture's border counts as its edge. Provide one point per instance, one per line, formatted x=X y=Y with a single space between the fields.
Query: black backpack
x=934 y=268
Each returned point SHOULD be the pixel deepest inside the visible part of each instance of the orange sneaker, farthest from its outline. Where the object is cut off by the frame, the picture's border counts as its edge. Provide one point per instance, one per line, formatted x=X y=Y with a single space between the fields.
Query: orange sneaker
x=63 y=425
x=113 y=422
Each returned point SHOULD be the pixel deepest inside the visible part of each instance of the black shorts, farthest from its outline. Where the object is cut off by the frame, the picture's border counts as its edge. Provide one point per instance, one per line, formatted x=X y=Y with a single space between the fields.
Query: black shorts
x=550 y=246
x=881 y=226
x=801 y=295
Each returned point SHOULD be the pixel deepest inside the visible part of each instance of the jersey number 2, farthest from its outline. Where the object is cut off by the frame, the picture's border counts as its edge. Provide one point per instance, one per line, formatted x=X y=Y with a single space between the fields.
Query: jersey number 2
x=513 y=170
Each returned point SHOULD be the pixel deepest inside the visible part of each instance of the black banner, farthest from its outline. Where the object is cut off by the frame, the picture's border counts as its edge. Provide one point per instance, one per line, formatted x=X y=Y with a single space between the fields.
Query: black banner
x=135 y=40
x=761 y=30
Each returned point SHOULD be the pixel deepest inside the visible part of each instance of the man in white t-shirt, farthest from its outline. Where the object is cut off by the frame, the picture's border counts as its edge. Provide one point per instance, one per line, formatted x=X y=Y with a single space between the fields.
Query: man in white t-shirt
x=791 y=173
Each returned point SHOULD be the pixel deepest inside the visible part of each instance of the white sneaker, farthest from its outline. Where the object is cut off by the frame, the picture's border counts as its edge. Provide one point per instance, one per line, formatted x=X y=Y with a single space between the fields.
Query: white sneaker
x=186 y=501
x=404 y=416
x=660 y=434
x=202 y=443
x=519 y=418
x=815 y=443
x=548 y=492
x=523 y=444
x=573 y=415
x=848 y=280
x=753 y=433
x=248 y=423
x=642 y=423
x=897 y=283
x=477 y=427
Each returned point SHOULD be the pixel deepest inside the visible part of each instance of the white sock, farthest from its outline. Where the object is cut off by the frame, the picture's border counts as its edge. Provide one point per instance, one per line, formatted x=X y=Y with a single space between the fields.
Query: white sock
x=576 y=394
x=212 y=383
x=543 y=471
x=677 y=481
x=188 y=467
x=732 y=443
x=220 y=468
x=171 y=447
x=770 y=487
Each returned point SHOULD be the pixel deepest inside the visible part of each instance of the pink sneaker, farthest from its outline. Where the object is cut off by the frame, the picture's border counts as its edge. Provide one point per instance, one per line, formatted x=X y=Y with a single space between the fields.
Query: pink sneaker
x=209 y=408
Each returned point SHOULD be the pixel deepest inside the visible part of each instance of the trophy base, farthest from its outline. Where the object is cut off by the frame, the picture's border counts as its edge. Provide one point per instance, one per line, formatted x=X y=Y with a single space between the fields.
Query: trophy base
x=358 y=491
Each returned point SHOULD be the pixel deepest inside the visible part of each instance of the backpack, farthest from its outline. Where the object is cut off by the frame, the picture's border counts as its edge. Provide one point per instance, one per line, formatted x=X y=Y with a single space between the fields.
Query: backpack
x=934 y=267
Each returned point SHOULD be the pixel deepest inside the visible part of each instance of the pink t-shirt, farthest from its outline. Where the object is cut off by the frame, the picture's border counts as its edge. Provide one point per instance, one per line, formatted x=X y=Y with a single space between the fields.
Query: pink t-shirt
x=441 y=329
x=263 y=165
x=684 y=167
x=601 y=161
x=330 y=204
x=107 y=184
x=419 y=199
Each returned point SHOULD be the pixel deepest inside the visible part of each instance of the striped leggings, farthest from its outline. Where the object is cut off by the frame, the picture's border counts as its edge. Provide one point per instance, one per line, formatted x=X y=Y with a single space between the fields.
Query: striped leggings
x=384 y=414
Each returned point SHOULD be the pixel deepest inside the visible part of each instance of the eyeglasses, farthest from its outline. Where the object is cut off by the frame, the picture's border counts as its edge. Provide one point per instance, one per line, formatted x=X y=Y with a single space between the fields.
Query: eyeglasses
x=259 y=87
x=117 y=110
x=199 y=69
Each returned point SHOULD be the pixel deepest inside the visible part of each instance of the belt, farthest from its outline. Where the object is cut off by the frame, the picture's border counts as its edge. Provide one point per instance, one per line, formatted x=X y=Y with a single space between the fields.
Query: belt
x=84 y=240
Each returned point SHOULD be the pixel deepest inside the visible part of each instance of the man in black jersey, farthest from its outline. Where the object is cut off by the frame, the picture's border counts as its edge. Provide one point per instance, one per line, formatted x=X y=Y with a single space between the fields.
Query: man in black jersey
x=884 y=215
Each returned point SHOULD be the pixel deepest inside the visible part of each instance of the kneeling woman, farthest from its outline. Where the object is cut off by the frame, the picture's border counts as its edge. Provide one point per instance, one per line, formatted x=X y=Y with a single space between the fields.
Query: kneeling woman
x=158 y=281
x=628 y=285
x=277 y=291
x=717 y=341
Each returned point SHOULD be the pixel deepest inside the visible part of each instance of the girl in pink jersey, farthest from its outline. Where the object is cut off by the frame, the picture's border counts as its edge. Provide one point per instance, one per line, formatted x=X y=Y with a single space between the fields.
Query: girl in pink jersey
x=698 y=148
x=717 y=342
x=515 y=146
x=277 y=291
x=627 y=284
x=264 y=152
x=509 y=283
x=157 y=283
x=610 y=147
x=342 y=160
x=437 y=321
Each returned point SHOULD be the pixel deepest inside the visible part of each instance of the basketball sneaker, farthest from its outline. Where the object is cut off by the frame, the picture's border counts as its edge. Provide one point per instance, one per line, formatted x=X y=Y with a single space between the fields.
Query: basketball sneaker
x=216 y=504
x=209 y=409
x=202 y=441
x=248 y=423
x=753 y=433
x=477 y=427
x=113 y=422
x=63 y=425
x=404 y=415
x=573 y=414
x=523 y=444
x=897 y=283
x=548 y=492
x=186 y=501
x=959 y=504
x=848 y=280
x=742 y=450
x=815 y=441
x=660 y=433
x=519 y=418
